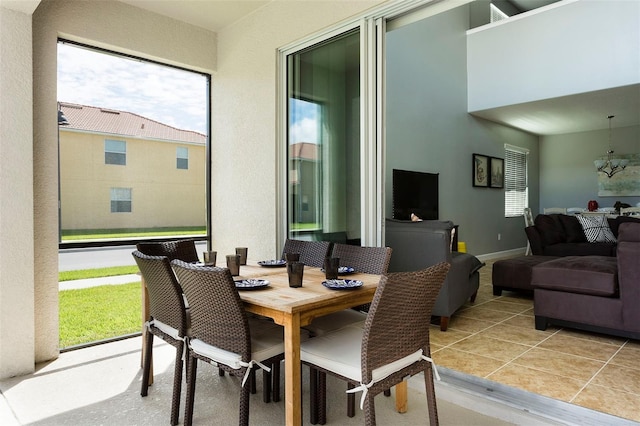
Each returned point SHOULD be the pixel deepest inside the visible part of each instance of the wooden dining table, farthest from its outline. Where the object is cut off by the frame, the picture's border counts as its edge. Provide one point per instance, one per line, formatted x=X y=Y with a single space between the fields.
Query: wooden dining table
x=294 y=308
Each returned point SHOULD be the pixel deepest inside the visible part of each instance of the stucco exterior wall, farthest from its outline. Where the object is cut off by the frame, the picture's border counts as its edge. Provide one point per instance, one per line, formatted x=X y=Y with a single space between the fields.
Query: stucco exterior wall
x=242 y=59
x=29 y=217
x=162 y=194
x=16 y=195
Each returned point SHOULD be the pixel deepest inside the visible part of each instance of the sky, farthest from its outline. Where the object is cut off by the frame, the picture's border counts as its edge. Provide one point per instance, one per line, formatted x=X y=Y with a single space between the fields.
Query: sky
x=304 y=118
x=171 y=96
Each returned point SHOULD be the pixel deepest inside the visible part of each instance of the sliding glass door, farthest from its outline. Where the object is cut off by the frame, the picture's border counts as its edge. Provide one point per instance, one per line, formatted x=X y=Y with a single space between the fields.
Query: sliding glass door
x=323 y=140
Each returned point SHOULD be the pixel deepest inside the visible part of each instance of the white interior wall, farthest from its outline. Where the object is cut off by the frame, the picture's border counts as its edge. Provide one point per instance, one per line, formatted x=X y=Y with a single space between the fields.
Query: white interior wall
x=509 y=61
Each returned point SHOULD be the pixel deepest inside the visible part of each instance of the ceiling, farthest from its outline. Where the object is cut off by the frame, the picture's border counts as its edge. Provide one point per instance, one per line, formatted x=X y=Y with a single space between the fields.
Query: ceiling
x=569 y=114
x=212 y=15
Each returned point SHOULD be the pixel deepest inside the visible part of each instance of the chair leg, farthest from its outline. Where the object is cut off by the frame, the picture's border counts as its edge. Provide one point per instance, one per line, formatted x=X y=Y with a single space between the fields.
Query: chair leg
x=370 y=411
x=444 y=323
x=275 y=389
x=431 y=396
x=244 y=406
x=351 y=402
x=146 y=364
x=473 y=296
x=387 y=392
x=313 y=396
x=266 y=386
x=252 y=381
x=177 y=385
x=322 y=397
x=220 y=372
x=191 y=390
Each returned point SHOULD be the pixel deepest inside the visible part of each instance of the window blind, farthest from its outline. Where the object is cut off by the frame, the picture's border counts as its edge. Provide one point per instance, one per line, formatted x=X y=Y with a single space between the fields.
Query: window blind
x=516 y=195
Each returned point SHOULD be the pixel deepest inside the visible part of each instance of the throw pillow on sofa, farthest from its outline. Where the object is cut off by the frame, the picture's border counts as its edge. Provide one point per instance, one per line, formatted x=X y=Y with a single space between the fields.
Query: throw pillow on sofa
x=550 y=229
x=572 y=229
x=596 y=229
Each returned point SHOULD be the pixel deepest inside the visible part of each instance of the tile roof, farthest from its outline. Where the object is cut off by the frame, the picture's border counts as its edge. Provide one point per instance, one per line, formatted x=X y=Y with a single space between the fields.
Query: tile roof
x=303 y=151
x=103 y=120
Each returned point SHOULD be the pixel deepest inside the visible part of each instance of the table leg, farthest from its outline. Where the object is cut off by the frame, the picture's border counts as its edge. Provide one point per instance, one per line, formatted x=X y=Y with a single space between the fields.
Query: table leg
x=293 y=374
x=401 y=397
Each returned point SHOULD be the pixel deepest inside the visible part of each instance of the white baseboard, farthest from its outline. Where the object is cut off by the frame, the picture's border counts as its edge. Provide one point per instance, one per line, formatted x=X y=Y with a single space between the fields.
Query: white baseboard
x=502 y=254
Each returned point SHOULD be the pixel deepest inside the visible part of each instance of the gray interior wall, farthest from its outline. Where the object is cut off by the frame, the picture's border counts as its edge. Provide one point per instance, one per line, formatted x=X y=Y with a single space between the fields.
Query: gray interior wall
x=428 y=129
x=568 y=177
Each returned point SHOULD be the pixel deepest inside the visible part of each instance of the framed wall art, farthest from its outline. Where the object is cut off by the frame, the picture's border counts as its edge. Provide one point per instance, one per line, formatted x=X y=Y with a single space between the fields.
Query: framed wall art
x=497 y=173
x=480 y=170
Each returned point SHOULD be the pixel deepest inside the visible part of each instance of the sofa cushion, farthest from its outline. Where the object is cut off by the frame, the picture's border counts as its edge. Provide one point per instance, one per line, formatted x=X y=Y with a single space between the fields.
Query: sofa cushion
x=592 y=275
x=580 y=249
x=596 y=229
x=515 y=272
x=572 y=229
x=550 y=229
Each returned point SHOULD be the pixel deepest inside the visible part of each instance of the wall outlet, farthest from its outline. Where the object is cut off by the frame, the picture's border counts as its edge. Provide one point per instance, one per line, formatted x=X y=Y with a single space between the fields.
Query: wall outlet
x=499 y=236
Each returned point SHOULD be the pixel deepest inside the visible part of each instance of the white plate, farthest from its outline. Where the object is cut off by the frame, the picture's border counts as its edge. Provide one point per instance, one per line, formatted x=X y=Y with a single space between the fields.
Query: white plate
x=342 y=284
x=251 y=284
x=275 y=263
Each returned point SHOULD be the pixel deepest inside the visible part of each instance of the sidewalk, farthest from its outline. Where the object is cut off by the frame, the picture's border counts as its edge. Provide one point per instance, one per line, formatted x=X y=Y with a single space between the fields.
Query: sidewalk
x=93 y=282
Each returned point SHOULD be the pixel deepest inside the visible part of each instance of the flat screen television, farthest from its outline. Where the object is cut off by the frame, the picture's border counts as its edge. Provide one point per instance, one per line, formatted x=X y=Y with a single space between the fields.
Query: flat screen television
x=415 y=192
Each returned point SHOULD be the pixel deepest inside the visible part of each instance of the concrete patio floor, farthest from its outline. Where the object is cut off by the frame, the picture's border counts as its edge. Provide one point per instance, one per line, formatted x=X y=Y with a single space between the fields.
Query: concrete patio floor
x=100 y=385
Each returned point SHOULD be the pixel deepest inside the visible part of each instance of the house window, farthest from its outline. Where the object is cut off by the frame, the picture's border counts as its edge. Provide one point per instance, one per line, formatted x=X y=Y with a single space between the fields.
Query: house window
x=182 y=158
x=516 y=195
x=120 y=200
x=115 y=152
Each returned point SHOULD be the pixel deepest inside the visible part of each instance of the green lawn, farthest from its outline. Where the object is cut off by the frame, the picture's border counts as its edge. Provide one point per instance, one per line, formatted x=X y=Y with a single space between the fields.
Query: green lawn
x=98 y=313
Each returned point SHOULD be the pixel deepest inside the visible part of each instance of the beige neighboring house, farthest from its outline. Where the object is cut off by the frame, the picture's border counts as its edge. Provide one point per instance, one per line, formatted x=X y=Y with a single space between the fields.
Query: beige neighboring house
x=122 y=170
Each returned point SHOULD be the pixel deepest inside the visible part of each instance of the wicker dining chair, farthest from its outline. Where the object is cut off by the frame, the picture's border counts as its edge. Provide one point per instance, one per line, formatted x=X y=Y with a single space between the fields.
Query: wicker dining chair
x=168 y=319
x=312 y=253
x=368 y=260
x=221 y=332
x=393 y=344
x=180 y=249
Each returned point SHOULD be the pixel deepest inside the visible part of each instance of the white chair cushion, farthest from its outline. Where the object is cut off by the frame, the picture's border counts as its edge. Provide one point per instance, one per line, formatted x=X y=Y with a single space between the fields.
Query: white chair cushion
x=338 y=351
x=336 y=321
x=167 y=329
x=220 y=356
x=267 y=340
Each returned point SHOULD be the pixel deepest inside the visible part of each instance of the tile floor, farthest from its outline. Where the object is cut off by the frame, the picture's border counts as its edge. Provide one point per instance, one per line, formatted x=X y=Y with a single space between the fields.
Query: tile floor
x=590 y=370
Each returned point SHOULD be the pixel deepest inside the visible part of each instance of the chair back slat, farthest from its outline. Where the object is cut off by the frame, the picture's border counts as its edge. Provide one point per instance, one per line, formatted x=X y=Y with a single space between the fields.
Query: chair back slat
x=368 y=260
x=181 y=249
x=398 y=321
x=312 y=253
x=166 y=303
x=217 y=313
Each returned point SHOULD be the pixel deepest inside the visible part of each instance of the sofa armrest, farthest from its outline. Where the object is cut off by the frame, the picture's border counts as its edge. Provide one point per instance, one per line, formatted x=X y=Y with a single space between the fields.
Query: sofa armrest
x=629 y=272
x=535 y=240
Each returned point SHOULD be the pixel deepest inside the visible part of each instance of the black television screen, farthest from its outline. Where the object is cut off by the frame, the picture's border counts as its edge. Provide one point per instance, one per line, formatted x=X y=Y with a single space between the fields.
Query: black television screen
x=415 y=192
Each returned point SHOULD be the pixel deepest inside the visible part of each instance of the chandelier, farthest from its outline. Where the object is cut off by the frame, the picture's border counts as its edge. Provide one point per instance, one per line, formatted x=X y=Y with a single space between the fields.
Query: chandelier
x=611 y=165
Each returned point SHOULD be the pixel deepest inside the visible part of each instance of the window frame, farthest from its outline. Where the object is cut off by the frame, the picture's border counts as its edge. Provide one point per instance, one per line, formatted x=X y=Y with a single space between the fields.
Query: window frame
x=518 y=181
x=110 y=153
x=114 y=198
x=185 y=159
x=64 y=245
